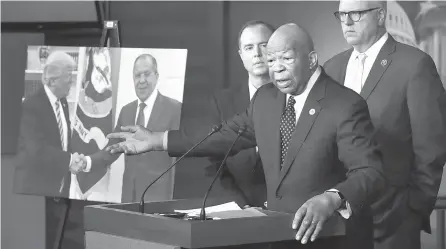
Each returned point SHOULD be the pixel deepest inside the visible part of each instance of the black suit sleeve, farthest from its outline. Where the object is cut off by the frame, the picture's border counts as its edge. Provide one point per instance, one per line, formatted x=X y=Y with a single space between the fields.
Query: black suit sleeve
x=102 y=159
x=176 y=115
x=214 y=110
x=360 y=156
x=218 y=144
x=329 y=67
x=215 y=117
x=426 y=106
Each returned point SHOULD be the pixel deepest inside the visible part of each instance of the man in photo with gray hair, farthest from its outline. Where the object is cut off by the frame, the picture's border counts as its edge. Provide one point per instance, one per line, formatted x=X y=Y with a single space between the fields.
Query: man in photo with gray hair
x=45 y=162
x=152 y=110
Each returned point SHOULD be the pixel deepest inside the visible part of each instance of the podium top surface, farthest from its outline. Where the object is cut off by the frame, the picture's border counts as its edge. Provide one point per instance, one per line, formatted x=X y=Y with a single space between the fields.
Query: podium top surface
x=236 y=229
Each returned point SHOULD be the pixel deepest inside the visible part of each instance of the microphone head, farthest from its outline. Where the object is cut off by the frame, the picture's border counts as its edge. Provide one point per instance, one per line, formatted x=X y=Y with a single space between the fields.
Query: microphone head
x=216 y=128
x=241 y=129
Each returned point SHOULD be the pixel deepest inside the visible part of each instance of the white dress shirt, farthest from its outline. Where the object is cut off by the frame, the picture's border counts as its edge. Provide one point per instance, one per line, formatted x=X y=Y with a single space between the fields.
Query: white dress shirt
x=371 y=53
x=75 y=191
x=252 y=90
x=150 y=101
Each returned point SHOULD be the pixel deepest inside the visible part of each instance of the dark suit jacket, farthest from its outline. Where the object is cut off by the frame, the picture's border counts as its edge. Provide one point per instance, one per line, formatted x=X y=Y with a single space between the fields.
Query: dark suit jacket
x=406 y=103
x=140 y=170
x=244 y=170
x=41 y=162
x=332 y=148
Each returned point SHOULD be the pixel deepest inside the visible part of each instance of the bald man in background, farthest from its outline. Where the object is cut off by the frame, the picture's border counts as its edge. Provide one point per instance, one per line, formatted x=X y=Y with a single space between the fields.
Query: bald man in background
x=407 y=105
x=314 y=138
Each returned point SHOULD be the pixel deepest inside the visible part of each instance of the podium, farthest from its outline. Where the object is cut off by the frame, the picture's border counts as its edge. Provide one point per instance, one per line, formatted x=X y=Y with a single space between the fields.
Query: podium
x=122 y=226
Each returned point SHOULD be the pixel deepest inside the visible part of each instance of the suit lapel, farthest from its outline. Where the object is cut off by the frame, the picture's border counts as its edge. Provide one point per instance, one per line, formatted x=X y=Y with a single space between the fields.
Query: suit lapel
x=66 y=112
x=132 y=118
x=48 y=110
x=381 y=64
x=344 y=64
x=278 y=107
x=157 y=112
x=51 y=119
x=309 y=113
x=241 y=98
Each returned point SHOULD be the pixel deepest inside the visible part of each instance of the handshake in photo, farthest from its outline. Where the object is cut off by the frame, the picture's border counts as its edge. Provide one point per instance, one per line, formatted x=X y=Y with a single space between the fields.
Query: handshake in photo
x=78 y=163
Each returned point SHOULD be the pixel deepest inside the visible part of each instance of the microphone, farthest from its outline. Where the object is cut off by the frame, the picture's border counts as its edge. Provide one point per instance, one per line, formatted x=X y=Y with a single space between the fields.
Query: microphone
x=215 y=129
x=203 y=211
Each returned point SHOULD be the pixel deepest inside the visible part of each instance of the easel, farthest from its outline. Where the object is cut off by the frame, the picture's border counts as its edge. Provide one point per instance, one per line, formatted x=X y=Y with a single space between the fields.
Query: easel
x=109 y=38
x=110 y=34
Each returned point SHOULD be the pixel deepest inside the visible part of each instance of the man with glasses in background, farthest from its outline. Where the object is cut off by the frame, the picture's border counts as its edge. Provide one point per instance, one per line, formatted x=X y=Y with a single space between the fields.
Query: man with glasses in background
x=406 y=101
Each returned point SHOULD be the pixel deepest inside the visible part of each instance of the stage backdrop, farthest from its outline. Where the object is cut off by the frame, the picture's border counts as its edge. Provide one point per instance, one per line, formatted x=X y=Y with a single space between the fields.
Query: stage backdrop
x=108 y=86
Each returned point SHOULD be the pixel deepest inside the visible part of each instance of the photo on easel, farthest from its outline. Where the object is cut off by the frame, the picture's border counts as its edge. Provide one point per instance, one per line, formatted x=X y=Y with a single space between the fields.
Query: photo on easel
x=74 y=97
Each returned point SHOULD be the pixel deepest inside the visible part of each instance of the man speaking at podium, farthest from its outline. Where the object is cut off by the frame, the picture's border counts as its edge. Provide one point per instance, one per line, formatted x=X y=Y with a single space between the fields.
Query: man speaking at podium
x=314 y=138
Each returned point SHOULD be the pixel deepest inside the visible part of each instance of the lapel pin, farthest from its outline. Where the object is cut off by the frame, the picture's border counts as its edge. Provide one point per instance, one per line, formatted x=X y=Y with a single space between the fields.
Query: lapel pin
x=312 y=111
x=384 y=62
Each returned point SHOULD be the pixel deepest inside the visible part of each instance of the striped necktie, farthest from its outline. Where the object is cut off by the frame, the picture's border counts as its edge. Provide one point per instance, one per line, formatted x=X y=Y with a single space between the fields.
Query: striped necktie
x=59 y=124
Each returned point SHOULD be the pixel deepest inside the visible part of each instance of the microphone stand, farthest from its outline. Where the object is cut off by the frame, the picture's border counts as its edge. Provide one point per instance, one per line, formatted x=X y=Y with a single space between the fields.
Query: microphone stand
x=203 y=211
x=141 y=202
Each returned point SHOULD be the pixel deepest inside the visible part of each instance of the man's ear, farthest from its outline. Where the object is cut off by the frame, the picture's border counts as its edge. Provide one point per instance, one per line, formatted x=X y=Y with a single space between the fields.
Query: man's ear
x=50 y=82
x=46 y=80
x=382 y=17
x=312 y=59
x=240 y=54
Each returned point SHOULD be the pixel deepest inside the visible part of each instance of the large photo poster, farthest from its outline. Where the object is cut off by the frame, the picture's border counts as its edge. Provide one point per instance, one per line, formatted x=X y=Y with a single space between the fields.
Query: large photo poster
x=74 y=97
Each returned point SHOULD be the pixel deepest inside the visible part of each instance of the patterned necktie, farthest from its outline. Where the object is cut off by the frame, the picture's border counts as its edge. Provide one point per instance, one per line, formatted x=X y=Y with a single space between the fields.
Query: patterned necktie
x=360 y=60
x=141 y=119
x=287 y=125
x=59 y=123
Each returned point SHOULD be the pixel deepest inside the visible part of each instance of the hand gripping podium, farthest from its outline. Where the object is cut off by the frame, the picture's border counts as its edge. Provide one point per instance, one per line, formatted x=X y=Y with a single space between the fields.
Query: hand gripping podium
x=122 y=226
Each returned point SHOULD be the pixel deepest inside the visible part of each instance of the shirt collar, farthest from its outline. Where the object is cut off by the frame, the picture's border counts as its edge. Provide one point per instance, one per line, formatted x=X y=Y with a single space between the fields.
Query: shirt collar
x=150 y=100
x=53 y=99
x=313 y=78
x=373 y=51
x=310 y=84
x=252 y=90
